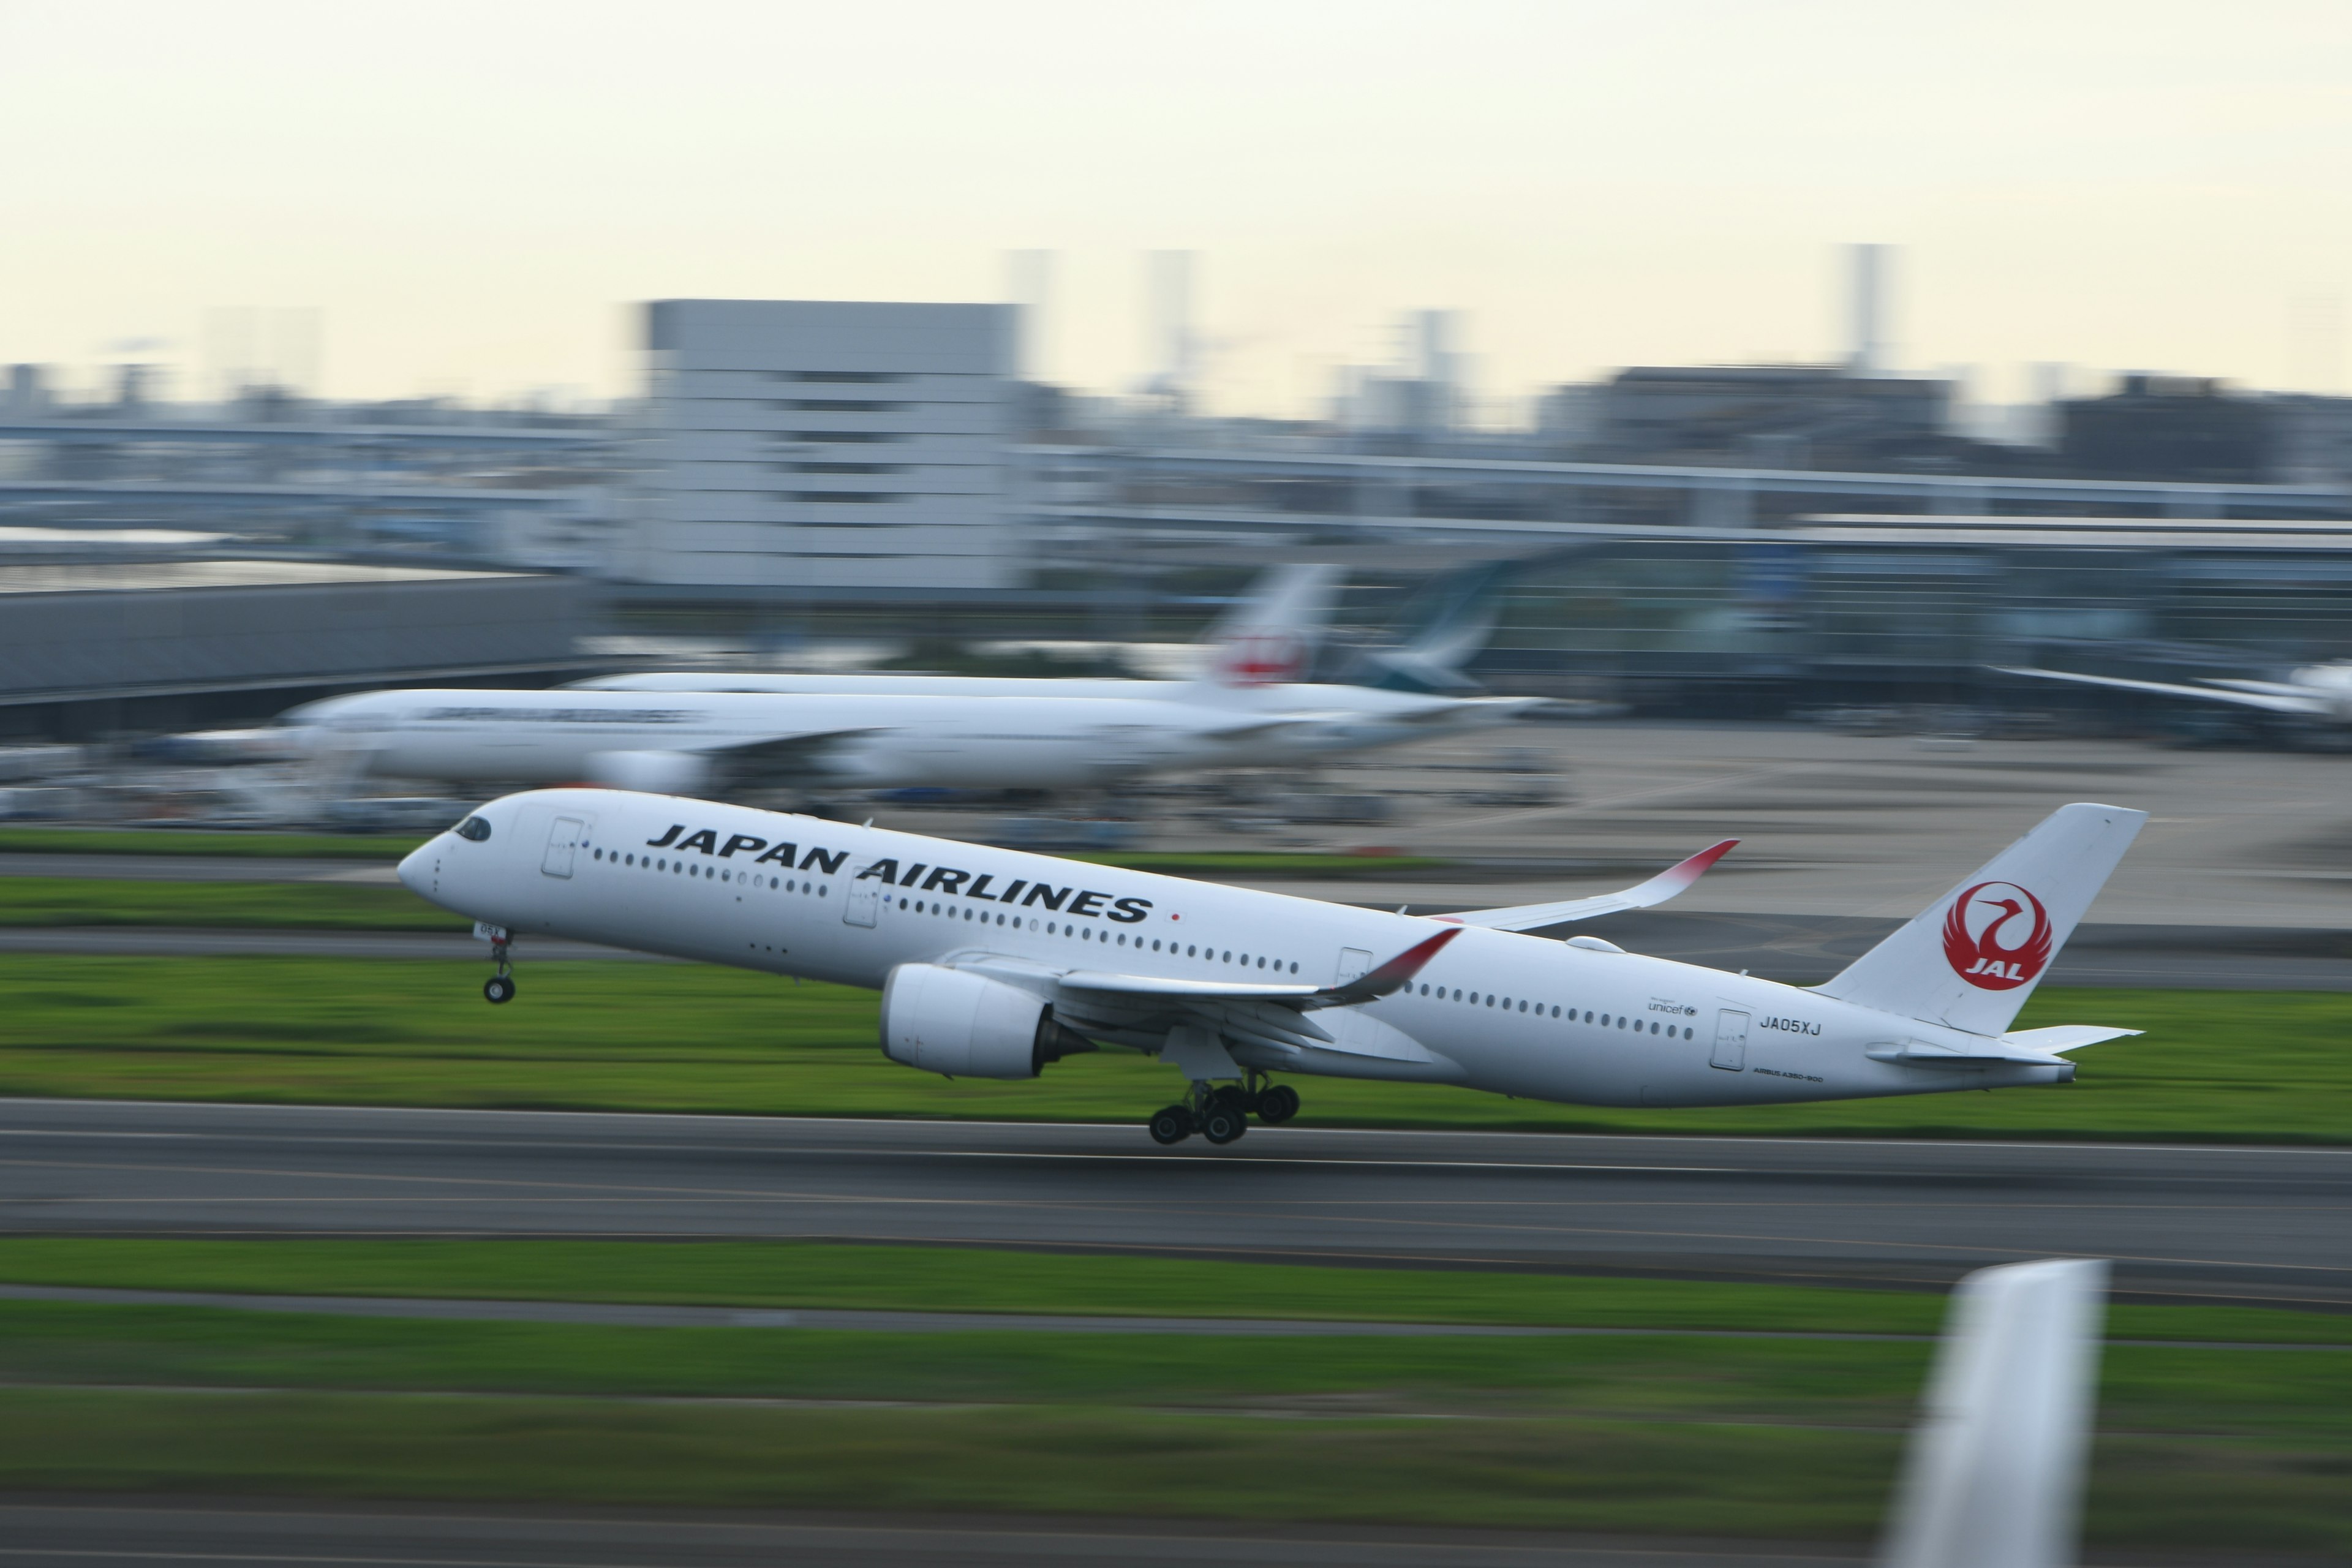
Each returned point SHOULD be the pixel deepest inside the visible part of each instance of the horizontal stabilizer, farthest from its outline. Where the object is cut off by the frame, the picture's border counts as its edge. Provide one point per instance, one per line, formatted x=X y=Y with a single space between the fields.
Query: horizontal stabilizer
x=1977 y=1054
x=1676 y=879
x=2066 y=1037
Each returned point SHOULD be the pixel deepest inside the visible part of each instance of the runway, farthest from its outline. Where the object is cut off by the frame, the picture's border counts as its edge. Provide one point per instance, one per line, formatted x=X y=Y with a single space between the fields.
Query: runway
x=2268 y=1225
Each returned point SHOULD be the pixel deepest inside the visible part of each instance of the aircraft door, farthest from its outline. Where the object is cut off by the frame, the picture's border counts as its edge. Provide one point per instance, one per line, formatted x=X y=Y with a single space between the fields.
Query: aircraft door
x=864 y=903
x=1355 y=962
x=1731 y=1041
x=562 y=843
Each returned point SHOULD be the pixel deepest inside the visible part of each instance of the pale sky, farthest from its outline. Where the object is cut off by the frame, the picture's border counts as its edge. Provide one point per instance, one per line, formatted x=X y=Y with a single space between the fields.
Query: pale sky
x=470 y=196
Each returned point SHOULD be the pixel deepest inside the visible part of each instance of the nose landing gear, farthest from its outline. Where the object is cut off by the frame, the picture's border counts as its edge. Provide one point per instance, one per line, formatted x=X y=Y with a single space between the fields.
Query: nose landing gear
x=499 y=987
x=1220 y=1113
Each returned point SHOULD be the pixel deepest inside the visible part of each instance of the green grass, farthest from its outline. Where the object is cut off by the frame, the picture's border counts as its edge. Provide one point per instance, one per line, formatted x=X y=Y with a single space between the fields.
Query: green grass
x=197 y=841
x=295 y=906
x=1756 y=1438
x=932 y=1279
x=2272 y=1066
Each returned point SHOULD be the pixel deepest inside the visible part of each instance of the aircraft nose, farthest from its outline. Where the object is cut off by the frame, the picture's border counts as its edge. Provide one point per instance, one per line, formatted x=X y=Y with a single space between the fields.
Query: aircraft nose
x=417 y=866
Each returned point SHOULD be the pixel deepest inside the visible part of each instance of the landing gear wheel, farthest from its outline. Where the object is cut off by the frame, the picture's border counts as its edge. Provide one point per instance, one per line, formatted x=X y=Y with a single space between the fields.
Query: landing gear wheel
x=1171 y=1125
x=500 y=989
x=1233 y=1097
x=1222 y=1125
x=1280 y=1103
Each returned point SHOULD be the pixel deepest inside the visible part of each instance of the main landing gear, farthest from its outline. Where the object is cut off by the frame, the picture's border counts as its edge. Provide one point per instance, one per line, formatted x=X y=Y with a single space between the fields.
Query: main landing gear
x=1220 y=1113
x=500 y=987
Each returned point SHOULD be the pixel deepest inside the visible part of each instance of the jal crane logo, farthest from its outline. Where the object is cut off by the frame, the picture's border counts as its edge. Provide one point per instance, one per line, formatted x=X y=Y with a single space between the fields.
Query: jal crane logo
x=1262 y=659
x=1997 y=936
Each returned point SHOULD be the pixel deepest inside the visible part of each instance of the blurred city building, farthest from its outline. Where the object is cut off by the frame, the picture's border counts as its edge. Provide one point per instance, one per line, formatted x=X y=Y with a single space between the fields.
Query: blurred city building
x=814 y=448
x=419 y=477
x=1774 y=417
x=2170 y=427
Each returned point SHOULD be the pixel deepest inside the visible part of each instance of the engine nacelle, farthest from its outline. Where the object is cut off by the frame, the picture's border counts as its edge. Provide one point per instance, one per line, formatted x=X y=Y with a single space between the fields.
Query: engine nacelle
x=967 y=1025
x=653 y=773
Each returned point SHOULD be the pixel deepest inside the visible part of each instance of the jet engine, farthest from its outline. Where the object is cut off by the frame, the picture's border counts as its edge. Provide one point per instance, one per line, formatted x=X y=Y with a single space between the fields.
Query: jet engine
x=967 y=1025
x=652 y=772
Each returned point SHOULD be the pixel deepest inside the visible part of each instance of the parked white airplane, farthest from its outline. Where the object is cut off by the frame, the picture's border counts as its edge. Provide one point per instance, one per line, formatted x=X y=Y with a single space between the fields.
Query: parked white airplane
x=706 y=741
x=1253 y=662
x=993 y=963
x=2314 y=692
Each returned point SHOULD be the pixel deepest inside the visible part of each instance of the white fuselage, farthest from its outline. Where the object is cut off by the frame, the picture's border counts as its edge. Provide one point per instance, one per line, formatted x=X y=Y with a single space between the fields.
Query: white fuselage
x=568 y=736
x=1498 y=1011
x=1355 y=718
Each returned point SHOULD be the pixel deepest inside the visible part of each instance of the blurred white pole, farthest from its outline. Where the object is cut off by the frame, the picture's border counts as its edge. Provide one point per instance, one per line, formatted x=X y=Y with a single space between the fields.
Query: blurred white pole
x=1994 y=1478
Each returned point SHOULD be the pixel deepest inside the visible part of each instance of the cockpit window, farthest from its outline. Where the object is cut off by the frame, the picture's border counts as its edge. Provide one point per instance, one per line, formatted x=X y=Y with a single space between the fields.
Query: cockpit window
x=473 y=827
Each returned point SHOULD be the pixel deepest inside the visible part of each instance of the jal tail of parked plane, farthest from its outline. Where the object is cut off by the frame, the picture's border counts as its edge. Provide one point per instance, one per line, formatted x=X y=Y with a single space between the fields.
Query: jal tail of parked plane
x=1270 y=636
x=1969 y=961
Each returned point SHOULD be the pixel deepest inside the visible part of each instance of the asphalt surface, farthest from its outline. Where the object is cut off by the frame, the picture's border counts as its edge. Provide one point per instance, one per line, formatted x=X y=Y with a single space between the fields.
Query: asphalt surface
x=2267 y=1225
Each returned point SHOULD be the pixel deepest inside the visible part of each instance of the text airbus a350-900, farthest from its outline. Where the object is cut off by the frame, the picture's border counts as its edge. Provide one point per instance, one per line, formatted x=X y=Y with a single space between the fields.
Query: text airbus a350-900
x=995 y=964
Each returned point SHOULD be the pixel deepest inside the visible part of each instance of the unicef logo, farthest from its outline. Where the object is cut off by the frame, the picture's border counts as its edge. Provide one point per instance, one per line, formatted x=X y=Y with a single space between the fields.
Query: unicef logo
x=1997 y=936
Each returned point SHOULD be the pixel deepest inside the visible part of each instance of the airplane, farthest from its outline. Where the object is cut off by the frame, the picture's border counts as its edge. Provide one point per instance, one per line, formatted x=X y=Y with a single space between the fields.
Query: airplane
x=1256 y=661
x=685 y=741
x=2314 y=692
x=996 y=964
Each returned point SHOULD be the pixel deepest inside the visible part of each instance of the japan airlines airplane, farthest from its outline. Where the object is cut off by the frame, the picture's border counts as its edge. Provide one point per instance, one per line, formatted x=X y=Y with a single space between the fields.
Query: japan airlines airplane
x=995 y=964
x=1254 y=662
x=712 y=741
x=2314 y=692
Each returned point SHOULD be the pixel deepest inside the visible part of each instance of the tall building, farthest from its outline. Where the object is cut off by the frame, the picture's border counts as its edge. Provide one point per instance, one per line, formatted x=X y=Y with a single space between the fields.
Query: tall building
x=838 y=450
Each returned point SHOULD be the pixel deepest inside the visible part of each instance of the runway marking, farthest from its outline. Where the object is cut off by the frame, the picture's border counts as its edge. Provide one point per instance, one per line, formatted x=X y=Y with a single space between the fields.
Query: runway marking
x=901 y=1125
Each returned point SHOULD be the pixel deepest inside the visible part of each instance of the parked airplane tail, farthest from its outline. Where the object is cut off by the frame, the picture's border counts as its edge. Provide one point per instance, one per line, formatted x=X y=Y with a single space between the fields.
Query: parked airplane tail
x=1270 y=636
x=1974 y=956
x=1456 y=623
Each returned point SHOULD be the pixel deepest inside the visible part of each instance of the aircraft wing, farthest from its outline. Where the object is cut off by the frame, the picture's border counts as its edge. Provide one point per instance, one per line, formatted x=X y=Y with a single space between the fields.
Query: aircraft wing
x=2274 y=701
x=2267 y=688
x=1389 y=977
x=782 y=759
x=1666 y=884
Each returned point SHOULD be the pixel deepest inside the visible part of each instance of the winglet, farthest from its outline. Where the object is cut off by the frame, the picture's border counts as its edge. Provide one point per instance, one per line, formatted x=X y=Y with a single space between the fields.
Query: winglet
x=1666 y=884
x=1392 y=976
x=1678 y=878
